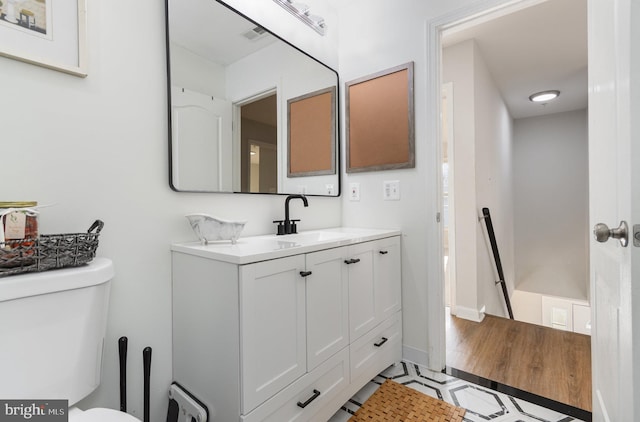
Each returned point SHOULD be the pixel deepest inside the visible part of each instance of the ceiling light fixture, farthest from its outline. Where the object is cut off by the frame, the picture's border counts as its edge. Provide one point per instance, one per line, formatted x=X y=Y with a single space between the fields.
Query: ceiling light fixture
x=544 y=96
x=303 y=12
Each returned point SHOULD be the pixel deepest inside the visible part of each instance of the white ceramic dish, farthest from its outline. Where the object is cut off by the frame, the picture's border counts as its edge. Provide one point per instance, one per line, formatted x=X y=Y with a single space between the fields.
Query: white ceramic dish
x=209 y=229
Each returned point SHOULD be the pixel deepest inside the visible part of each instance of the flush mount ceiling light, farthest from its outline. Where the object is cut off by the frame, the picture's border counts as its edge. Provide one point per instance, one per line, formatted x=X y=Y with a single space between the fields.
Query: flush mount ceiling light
x=303 y=12
x=544 y=96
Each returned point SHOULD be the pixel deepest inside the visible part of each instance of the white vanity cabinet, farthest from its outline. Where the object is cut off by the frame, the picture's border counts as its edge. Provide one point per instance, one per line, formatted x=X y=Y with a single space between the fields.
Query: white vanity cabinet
x=284 y=338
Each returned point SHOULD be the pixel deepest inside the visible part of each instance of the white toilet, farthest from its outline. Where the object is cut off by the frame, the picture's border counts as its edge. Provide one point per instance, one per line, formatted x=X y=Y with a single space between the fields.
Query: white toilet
x=52 y=326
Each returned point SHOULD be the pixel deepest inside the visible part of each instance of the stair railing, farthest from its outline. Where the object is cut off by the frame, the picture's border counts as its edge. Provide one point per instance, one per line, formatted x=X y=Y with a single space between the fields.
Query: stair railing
x=496 y=255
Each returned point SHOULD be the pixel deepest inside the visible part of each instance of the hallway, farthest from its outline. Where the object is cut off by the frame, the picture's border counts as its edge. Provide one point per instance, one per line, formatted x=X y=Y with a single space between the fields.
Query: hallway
x=550 y=363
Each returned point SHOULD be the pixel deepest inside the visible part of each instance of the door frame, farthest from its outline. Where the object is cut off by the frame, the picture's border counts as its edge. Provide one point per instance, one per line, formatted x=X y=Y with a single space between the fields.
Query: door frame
x=625 y=37
x=447 y=98
x=465 y=16
x=237 y=132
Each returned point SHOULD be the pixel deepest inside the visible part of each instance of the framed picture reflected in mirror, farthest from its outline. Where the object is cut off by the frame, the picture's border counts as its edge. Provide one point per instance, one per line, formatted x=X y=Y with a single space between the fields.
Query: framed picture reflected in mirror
x=311 y=120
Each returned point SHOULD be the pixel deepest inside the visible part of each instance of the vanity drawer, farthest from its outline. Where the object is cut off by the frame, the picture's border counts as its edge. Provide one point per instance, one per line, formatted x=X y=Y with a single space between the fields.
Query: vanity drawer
x=377 y=349
x=325 y=382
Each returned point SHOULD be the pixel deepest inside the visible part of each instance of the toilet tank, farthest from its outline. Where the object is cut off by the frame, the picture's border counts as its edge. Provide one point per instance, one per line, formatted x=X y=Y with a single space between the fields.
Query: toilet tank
x=52 y=328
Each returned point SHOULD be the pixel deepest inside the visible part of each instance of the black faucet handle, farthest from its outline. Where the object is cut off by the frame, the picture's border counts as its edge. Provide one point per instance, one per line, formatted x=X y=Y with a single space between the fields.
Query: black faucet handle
x=294 y=226
x=280 y=226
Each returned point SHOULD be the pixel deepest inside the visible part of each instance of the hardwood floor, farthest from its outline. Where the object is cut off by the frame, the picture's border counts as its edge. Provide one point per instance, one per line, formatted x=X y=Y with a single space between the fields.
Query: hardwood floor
x=550 y=363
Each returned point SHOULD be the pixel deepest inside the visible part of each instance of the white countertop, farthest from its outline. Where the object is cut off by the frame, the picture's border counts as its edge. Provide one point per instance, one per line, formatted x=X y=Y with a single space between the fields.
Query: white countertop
x=261 y=248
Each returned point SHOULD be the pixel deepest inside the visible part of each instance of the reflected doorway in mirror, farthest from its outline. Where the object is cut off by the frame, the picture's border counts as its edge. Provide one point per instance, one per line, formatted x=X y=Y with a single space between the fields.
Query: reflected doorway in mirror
x=258 y=135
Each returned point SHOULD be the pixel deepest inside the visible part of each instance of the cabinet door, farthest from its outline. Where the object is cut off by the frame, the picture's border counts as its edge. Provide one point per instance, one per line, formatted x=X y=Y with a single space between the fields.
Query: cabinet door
x=362 y=303
x=327 y=305
x=388 y=276
x=272 y=327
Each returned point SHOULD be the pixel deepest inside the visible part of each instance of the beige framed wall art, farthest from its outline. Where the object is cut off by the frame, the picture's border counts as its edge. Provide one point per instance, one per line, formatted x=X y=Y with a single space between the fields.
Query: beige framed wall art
x=380 y=122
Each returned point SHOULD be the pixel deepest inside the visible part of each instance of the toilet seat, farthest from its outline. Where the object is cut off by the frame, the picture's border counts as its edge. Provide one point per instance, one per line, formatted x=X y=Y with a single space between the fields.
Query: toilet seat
x=100 y=415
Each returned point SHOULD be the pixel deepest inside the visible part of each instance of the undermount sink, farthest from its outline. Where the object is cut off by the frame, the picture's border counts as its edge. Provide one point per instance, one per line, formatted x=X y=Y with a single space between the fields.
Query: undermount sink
x=313 y=237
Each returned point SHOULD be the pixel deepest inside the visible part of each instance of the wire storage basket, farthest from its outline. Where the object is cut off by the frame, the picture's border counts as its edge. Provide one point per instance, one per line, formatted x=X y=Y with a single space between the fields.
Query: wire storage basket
x=49 y=251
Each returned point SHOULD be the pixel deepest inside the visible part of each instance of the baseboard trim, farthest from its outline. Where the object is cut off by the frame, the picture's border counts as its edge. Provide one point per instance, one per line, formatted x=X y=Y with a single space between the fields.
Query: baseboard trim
x=413 y=355
x=468 y=313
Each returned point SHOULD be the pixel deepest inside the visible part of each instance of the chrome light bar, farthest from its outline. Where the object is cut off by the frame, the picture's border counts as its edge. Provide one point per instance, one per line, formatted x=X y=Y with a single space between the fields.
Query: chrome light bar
x=302 y=12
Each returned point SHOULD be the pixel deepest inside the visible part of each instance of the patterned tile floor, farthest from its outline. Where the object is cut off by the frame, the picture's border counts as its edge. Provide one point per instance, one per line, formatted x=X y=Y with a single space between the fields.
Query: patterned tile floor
x=482 y=404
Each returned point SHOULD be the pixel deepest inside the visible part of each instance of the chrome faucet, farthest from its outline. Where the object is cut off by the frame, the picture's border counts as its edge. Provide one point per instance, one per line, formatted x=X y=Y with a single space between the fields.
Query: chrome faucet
x=288 y=226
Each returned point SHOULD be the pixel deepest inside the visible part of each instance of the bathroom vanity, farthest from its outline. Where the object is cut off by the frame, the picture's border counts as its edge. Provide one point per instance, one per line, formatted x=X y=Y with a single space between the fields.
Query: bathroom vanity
x=277 y=328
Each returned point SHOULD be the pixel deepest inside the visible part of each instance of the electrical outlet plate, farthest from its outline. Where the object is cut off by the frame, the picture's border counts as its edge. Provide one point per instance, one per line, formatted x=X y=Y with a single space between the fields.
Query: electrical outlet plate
x=354 y=191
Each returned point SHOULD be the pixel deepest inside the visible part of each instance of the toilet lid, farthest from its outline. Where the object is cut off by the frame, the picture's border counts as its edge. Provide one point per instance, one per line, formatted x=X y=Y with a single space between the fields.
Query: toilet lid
x=102 y=415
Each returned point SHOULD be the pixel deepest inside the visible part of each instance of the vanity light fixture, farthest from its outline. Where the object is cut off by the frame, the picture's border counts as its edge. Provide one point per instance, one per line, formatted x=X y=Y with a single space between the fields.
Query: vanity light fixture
x=303 y=12
x=544 y=96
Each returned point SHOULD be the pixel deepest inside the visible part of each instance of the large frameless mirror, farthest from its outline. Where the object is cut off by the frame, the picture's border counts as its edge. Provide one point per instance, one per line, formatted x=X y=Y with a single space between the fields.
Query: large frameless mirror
x=249 y=112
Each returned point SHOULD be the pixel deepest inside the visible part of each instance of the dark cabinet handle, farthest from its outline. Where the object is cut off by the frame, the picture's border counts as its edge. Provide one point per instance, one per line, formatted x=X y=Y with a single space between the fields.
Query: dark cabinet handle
x=383 y=341
x=305 y=273
x=316 y=394
x=384 y=252
x=352 y=261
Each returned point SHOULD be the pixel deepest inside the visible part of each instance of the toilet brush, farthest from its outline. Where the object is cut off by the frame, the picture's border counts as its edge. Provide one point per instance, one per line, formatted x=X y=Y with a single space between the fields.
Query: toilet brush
x=146 y=360
x=122 y=348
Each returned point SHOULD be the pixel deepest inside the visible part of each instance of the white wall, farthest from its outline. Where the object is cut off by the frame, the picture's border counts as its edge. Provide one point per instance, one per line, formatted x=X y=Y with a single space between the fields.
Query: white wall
x=377 y=35
x=190 y=71
x=97 y=148
x=551 y=204
x=483 y=170
x=493 y=181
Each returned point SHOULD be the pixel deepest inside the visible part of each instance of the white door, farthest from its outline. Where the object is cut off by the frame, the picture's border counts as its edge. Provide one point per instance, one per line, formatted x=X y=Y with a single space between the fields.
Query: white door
x=613 y=130
x=200 y=141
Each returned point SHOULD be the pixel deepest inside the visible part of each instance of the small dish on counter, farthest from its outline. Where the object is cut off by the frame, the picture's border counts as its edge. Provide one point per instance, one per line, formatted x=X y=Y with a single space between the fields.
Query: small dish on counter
x=209 y=228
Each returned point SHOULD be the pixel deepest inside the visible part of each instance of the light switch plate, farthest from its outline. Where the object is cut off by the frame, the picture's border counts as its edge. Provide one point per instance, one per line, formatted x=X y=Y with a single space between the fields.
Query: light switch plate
x=391 y=190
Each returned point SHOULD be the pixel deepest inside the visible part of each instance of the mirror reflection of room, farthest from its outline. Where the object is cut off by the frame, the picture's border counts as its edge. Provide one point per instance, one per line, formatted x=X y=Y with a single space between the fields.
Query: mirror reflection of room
x=224 y=68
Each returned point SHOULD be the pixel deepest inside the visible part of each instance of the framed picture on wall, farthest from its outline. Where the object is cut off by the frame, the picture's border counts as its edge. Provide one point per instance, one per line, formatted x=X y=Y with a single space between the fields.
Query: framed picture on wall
x=33 y=31
x=380 y=122
x=311 y=120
